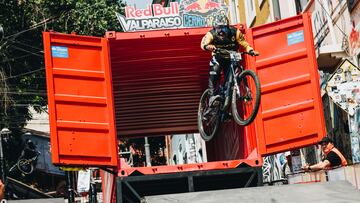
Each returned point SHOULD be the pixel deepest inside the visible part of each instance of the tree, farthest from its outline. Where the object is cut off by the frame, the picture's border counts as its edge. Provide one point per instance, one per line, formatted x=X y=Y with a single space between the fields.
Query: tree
x=22 y=71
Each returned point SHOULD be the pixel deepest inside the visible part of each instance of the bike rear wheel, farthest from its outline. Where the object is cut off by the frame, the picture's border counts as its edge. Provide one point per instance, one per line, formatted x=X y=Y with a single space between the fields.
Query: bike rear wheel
x=208 y=125
x=245 y=102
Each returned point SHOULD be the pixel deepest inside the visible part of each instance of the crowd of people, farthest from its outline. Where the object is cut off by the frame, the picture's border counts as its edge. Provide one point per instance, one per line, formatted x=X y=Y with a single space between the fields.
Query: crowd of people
x=134 y=154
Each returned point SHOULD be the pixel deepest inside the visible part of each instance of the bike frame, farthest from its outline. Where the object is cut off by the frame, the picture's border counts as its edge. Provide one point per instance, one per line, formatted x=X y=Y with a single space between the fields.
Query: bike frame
x=225 y=90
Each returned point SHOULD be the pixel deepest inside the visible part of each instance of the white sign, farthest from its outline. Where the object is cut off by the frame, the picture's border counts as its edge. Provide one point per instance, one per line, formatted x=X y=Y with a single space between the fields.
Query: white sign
x=343 y=87
x=83 y=184
x=189 y=13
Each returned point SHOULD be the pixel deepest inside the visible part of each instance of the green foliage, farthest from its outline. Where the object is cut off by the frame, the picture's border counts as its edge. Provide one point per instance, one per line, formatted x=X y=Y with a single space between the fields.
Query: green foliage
x=22 y=71
x=21 y=56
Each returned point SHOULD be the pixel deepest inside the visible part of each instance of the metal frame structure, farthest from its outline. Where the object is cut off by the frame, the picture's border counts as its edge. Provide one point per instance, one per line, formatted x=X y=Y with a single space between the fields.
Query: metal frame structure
x=123 y=86
x=134 y=188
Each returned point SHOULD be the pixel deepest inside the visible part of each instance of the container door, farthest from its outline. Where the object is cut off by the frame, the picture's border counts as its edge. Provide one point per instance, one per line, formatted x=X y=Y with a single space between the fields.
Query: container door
x=82 y=124
x=291 y=113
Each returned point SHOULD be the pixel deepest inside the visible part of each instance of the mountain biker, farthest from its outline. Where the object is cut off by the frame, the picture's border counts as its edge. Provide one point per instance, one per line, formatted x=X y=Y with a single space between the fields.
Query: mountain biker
x=222 y=36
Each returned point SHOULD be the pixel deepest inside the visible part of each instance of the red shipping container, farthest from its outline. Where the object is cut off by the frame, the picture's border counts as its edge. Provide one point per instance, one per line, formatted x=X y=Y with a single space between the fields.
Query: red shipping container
x=149 y=83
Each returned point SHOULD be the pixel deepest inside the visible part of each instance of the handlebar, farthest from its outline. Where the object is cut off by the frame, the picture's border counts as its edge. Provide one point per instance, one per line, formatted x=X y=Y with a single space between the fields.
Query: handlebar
x=219 y=50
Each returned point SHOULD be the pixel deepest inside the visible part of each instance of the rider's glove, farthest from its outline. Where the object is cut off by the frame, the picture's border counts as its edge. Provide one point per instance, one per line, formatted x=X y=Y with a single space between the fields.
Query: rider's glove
x=252 y=53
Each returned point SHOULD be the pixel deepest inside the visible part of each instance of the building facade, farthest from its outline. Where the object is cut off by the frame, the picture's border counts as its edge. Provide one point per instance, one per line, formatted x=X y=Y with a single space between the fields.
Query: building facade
x=252 y=12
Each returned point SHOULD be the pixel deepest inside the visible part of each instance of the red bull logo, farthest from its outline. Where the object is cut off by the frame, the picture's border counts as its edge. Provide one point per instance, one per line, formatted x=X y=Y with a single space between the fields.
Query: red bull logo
x=152 y=11
x=184 y=13
x=202 y=6
x=193 y=7
x=210 y=5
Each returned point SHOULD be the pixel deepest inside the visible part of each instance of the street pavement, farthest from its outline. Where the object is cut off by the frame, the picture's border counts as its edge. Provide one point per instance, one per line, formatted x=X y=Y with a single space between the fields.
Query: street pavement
x=327 y=192
x=50 y=200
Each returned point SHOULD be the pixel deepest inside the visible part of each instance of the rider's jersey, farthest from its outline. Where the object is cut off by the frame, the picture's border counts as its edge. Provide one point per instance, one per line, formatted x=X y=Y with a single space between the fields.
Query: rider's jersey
x=230 y=42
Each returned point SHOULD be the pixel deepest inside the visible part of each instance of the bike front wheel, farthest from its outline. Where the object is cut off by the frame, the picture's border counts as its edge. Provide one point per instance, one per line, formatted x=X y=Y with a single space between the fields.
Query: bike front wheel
x=246 y=98
x=208 y=121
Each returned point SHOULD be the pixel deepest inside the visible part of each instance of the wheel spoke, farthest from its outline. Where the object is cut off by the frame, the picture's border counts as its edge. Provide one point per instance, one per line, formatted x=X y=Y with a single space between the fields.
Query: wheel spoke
x=245 y=105
x=207 y=120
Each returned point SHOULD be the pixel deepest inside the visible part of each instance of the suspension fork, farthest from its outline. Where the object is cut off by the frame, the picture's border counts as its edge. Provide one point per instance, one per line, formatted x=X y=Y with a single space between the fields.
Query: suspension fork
x=229 y=89
x=235 y=80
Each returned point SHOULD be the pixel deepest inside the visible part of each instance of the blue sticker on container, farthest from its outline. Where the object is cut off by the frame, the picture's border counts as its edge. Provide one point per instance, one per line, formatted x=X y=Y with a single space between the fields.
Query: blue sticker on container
x=295 y=37
x=59 y=52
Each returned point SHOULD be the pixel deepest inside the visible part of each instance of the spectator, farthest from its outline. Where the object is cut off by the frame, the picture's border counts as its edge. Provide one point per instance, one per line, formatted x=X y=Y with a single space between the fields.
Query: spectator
x=332 y=157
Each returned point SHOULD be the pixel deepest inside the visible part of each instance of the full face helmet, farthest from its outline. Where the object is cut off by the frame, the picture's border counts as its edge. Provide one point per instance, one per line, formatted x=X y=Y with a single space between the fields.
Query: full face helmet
x=221 y=24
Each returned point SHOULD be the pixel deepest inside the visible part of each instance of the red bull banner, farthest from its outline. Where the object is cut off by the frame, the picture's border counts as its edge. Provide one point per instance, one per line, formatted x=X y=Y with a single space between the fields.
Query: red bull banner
x=182 y=14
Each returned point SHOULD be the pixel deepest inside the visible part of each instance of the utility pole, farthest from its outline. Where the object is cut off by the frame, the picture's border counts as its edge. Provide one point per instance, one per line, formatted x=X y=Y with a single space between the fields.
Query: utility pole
x=2 y=161
x=4 y=131
x=69 y=183
x=147 y=152
x=1 y=33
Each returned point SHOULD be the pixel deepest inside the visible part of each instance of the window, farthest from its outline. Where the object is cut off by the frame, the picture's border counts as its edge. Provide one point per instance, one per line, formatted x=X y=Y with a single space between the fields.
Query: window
x=351 y=4
x=301 y=5
x=250 y=12
x=175 y=159
x=234 y=12
x=283 y=9
x=276 y=10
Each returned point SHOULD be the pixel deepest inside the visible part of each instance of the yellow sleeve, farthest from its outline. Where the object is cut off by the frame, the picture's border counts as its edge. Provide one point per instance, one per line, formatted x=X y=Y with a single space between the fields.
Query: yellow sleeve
x=206 y=40
x=241 y=40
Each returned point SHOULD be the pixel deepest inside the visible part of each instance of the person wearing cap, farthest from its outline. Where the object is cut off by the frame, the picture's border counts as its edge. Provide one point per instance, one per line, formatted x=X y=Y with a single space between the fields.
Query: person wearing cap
x=332 y=157
x=227 y=37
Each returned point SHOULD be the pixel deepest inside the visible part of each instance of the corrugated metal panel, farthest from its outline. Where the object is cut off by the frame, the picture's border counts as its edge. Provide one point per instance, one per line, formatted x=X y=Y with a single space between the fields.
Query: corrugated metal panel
x=158 y=78
x=82 y=128
x=228 y=144
x=233 y=142
x=291 y=113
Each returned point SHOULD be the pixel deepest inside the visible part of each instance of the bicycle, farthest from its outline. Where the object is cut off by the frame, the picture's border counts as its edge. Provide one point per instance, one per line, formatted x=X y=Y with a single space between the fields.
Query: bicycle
x=25 y=166
x=244 y=105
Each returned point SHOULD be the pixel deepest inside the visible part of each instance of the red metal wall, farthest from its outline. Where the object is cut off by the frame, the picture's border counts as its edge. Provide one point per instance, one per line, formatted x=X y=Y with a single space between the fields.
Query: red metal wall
x=290 y=114
x=228 y=144
x=158 y=78
x=157 y=88
x=82 y=127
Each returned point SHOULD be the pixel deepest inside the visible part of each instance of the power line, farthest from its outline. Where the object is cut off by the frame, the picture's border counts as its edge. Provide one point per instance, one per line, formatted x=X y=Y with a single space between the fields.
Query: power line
x=27 y=90
x=24 y=50
x=24 y=105
x=66 y=13
x=27 y=73
x=26 y=93
x=12 y=59
x=22 y=100
x=31 y=28
x=322 y=6
x=28 y=45
x=34 y=119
